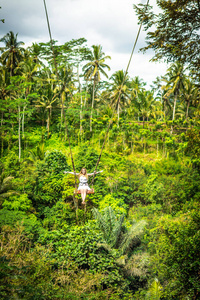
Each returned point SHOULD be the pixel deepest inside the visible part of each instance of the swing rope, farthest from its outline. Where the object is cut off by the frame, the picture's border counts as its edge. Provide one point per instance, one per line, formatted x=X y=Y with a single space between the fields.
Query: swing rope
x=117 y=103
x=55 y=63
x=118 y=100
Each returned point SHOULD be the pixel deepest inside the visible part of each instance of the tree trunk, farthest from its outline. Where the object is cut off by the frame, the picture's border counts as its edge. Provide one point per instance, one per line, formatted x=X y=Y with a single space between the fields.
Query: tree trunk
x=81 y=116
x=80 y=90
x=86 y=94
x=187 y=111
x=2 y=145
x=92 y=105
x=143 y=121
x=118 y=115
x=62 y=107
x=23 y=117
x=174 y=111
x=48 y=122
x=19 y=132
x=2 y=118
x=157 y=147
x=174 y=108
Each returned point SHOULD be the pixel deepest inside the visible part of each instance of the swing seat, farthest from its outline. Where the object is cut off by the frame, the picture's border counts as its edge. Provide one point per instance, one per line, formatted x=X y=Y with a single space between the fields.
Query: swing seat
x=88 y=192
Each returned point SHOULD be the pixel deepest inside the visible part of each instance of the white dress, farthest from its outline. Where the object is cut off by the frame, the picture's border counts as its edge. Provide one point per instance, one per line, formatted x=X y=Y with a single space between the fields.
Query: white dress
x=83 y=183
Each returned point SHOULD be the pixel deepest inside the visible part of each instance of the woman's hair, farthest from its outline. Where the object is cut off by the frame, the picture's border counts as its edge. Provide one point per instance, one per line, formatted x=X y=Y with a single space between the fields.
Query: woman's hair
x=81 y=173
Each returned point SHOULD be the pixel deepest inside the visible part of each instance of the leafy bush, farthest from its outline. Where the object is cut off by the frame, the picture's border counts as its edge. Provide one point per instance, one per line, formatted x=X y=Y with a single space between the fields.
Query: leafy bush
x=117 y=205
x=55 y=161
x=175 y=250
x=32 y=226
x=18 y=202
x=59 y=216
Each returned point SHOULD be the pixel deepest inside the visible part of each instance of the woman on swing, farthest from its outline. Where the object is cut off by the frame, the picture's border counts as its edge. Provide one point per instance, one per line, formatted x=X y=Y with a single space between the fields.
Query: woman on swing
x=83 y=182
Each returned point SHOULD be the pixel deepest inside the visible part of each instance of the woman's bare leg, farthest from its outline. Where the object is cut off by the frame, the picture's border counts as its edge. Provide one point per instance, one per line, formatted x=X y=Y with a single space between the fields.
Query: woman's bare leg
x=83 y=195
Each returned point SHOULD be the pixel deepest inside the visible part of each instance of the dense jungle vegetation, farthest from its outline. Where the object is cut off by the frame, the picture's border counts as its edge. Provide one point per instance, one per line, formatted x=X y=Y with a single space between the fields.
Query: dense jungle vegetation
x=139 y=235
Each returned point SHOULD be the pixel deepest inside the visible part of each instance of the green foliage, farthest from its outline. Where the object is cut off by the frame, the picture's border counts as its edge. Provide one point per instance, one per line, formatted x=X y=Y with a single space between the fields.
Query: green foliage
x=32 y=226
x=110 y=225
x=180 y=45
x=118 y=206
x=87 y=157
x=175 y=249
x=59 y=216
x=155 y=291
x=55 y=161
x=114 y=232
x=146 y=199
x=21 y=202
x=81 y=246
x=193 y=146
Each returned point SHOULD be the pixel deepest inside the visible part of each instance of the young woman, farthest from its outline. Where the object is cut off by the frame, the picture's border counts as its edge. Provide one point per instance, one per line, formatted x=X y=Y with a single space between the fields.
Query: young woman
x=83 y=182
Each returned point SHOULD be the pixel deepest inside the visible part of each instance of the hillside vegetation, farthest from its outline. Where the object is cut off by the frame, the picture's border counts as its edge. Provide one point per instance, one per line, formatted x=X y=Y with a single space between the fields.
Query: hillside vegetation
x=138 y=237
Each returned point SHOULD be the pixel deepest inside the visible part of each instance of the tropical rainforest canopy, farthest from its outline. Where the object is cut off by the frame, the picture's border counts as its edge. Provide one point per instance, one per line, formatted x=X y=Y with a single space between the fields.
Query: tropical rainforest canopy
x=138 y=237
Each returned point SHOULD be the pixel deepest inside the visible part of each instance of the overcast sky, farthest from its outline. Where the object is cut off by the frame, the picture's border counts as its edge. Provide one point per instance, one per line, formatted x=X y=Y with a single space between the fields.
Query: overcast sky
x=111 y=23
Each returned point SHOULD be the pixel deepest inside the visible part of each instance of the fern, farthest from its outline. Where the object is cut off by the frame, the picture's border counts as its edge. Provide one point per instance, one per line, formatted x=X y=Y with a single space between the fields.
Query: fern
x=155 y=291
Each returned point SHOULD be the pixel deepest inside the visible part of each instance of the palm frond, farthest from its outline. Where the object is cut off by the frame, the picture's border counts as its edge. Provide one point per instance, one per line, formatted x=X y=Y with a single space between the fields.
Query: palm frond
x=134 y=232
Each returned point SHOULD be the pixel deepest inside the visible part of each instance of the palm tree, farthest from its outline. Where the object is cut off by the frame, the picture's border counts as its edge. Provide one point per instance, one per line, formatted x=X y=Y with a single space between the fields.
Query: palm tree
x=175 y=82
x=137 y=86
x=35 y=53
x=120 y=88
x=4 y=92
x=29 y=71
x=114 y=233
x=94 y=69
x=191 y=93
x=12 y=53
x=65 y=86
x=145 y=104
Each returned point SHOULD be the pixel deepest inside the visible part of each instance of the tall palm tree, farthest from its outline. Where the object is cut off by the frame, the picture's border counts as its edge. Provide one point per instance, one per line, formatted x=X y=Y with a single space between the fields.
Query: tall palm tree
x=4 y=92
x=94 y=69
x=35 y=51
x=175 y=82
x=145 y=104
x=29 y=71
x=12 y=53
x=49 y=94
x=66 y=86
x=120 y=88
x=137 y=86
x=191 y=94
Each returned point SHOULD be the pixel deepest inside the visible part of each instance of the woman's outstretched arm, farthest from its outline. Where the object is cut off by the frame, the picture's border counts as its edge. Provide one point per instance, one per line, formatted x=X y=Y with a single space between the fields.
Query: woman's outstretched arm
x=65 y=172
x=90 y=174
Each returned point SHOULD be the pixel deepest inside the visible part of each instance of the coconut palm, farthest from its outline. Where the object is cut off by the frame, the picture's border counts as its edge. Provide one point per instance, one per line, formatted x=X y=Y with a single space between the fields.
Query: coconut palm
x=175 y=82
x=12 y=53
x=120 y=90
x=146 y=104
x=4 y=92
x=114 y=233
x=137 y=85
x=191 y=94
x=94 y=69
x=66 y=86
x=35 y=52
